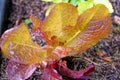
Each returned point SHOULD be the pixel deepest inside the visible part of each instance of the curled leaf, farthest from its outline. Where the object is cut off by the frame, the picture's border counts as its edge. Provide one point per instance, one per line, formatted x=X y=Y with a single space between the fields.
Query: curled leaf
x=49 y=73
x=16 y=43
x=17 y=71
x=82 y=74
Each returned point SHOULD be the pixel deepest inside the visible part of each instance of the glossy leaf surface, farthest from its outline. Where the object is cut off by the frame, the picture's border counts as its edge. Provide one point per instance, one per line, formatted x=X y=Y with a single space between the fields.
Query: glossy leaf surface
x=16 y=71
x=83 y=32
x=17 y=44
x=59 y=23
x=93 y=24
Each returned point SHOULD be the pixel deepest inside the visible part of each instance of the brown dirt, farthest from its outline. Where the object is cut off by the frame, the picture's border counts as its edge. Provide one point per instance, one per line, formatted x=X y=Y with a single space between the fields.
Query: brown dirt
x=110 y=46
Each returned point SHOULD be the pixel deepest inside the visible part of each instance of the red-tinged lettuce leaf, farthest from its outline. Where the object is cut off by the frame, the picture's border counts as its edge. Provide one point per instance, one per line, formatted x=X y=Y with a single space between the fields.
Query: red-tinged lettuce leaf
x=50 y=73
x=61 y=51
x=79 y=75
x=16 y=43
x=37 y=23
x=94 y=24
x=57 y=53
x=65 y=28
x=37 y=26
x=17 y=71
x=58 y=24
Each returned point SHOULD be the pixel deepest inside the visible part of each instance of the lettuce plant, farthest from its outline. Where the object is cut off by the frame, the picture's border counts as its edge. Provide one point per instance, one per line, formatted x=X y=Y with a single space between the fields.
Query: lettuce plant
x=65 y=33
